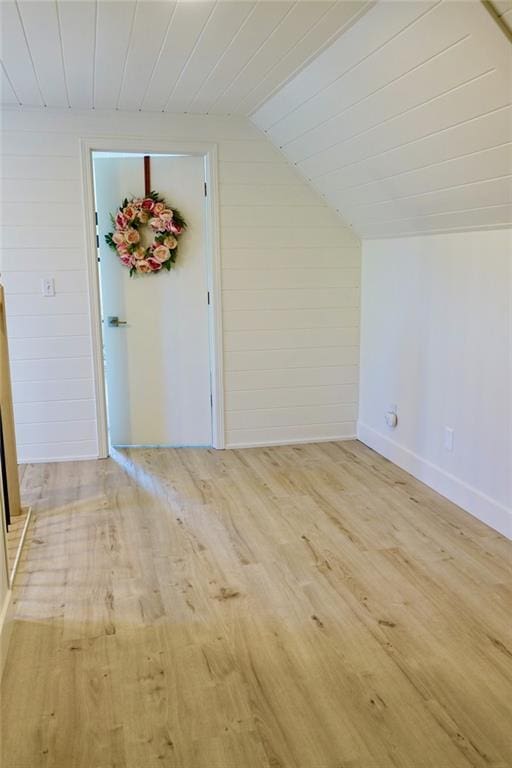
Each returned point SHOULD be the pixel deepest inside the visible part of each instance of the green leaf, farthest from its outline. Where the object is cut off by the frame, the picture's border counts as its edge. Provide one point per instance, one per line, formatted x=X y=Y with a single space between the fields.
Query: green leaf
x=109 y=241
x=178 y=218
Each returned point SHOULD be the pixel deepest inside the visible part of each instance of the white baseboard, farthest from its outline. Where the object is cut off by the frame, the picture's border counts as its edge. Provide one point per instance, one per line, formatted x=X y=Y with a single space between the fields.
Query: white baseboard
x=5 y=629
x=481 y=506
x=294 y=441
x=58 y=459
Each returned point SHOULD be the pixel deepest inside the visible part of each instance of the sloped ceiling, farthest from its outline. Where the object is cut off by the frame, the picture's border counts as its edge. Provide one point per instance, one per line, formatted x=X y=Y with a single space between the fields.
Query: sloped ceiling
x=398 y=113
x=404 y=124
x=202 y=57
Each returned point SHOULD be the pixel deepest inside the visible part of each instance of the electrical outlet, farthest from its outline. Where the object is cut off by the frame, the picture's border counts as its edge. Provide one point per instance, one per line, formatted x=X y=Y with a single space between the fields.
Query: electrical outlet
x=448 y=438
x=48 y=286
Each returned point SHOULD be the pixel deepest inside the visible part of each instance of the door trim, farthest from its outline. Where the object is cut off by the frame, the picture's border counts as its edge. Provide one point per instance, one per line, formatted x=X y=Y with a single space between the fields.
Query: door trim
x=208 y=151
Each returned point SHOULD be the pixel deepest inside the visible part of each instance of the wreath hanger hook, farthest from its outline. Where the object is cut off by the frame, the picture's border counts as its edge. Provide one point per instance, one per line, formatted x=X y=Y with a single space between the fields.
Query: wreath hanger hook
x=147 y=175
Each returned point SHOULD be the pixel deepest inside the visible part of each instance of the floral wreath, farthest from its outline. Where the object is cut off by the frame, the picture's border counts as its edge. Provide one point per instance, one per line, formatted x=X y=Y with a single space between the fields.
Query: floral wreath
x=167 y=224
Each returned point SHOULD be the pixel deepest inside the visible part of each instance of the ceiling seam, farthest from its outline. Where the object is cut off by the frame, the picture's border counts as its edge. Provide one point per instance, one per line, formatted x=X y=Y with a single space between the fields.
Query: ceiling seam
x=498 y=17
x=365 y=58
x=43 y=100
x=251 y=58
x=439 y=213
x=377 y=90
x=204 y=82
x=289 y=50
x=424 y=167
x=397 y=115
x=436 y=191
x=62 y=53
x=439 y=231
x=314 y=55
x=10 y=83
x=420 y=138
x=94 y=54
x=189 y=57
x=159 y=56
x=125 y=63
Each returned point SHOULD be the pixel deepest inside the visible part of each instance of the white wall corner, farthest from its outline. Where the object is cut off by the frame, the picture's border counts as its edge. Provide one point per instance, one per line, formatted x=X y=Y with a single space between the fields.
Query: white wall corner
x=481 y=506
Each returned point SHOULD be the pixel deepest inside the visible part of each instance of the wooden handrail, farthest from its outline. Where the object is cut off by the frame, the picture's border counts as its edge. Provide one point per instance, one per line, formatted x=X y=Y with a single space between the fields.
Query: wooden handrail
x=10 y=467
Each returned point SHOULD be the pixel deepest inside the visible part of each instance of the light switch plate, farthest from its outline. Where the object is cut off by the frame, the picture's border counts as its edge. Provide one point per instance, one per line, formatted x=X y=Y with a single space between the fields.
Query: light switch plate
x=48 y=286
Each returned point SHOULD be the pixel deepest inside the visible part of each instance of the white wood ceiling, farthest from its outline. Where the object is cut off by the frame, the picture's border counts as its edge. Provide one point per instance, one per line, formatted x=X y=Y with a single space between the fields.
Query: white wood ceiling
x=205 y=57
x=404 y=124
x=399 y=113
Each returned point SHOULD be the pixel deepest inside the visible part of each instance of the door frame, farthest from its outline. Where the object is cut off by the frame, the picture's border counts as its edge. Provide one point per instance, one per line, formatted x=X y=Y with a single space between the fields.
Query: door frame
x=208 y=151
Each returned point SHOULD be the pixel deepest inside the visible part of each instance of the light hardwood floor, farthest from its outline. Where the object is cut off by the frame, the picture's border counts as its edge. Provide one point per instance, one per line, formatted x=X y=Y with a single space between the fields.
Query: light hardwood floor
x=307 y=606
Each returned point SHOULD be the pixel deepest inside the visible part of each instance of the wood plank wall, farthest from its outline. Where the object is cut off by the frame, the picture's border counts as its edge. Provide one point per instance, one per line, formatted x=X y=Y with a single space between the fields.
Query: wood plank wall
x=290 y=273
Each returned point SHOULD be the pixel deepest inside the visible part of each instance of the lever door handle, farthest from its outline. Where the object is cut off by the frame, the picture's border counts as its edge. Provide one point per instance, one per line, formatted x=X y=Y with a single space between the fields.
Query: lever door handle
x=114 y=322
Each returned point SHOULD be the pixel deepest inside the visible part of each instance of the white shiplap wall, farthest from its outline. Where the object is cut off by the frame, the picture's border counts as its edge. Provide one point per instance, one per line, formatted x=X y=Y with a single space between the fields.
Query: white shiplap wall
x=404 y=123
x=290 y=273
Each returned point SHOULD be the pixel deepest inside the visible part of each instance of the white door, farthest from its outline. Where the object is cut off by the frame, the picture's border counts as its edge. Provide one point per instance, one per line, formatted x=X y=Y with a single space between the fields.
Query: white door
x=158 y=364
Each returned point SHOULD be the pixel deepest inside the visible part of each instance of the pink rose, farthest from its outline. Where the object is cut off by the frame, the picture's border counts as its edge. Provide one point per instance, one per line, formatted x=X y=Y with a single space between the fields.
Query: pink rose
x=166 y=214
x=148 y=204
x=155 y=224
x=154 y=264
x=127 y=260
x=139 y=253
x=132 y=236
x=118 y=238
x=171 y=242
x=161 y=253
x=130 y=212
x=176 y=228
x=158 y=208
x=121 y=221
x=143 y=266
x=122 y=249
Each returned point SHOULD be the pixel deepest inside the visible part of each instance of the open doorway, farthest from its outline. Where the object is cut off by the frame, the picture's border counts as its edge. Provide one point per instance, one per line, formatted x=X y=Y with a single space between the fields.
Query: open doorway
x=155 y=328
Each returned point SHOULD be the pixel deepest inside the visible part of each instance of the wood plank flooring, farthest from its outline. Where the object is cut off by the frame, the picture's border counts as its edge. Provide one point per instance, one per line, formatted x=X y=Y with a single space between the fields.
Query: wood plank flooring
x=288 y=607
